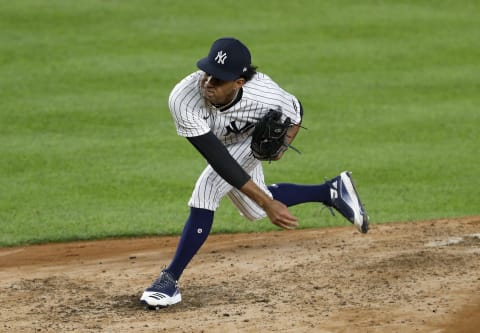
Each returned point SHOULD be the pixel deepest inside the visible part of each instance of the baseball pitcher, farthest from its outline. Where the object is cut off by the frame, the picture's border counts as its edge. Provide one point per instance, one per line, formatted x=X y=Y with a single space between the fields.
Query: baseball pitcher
x=236 y=118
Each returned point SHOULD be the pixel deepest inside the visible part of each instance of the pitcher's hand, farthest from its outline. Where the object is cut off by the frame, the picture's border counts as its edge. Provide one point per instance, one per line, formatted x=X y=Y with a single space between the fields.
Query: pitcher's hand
x=279 y=215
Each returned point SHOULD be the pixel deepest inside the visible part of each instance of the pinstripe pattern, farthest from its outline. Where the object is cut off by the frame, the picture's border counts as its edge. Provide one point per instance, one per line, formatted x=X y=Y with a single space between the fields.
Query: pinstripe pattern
x=245 y=205
x=193 y=116
x=211 y=188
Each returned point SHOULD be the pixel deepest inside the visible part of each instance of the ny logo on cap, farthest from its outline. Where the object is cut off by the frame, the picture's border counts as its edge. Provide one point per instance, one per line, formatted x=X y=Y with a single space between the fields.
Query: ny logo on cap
x=220 y=58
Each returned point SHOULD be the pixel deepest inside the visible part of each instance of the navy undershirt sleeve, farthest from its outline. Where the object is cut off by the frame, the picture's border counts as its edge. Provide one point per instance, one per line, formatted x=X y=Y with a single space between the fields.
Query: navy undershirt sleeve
x=220 y=159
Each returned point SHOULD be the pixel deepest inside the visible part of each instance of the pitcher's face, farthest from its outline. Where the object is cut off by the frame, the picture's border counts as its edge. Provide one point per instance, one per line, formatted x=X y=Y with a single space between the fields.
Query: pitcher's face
x=219 y=92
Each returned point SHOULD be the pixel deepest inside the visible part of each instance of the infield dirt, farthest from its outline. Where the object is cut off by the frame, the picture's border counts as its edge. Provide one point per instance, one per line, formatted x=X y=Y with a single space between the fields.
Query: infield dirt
x=400 y=277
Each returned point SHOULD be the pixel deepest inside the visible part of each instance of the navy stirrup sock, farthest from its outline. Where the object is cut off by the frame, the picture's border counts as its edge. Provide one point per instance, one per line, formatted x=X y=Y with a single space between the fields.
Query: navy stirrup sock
x=194 y=234
x=294 y=194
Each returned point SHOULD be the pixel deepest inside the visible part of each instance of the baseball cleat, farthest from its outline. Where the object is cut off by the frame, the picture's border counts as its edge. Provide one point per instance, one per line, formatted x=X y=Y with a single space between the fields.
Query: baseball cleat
x=346 y=201
x=163 y=292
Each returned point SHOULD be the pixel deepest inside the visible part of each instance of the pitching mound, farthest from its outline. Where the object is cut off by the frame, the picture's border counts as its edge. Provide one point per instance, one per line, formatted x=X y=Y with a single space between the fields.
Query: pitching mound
x=400 y=277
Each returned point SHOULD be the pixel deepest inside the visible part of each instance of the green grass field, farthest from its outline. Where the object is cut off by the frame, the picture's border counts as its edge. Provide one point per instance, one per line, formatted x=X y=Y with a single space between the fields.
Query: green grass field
x=88 y=149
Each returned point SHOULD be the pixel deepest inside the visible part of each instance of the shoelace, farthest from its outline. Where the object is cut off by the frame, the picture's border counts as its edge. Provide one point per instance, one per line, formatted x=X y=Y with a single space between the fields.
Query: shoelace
x=330 y=208
x=164 y=281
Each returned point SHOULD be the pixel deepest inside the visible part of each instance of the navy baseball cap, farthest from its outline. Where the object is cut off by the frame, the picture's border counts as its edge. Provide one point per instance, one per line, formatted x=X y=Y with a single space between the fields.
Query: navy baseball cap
x=227 y=60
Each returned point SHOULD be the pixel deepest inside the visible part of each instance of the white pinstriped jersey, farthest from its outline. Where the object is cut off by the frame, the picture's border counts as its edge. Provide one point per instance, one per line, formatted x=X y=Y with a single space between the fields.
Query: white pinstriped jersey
x=193 y=116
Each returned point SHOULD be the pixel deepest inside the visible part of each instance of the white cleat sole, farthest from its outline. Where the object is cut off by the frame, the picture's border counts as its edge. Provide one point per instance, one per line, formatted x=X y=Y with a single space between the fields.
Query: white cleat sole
x=359 y=219
x=159 y=300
